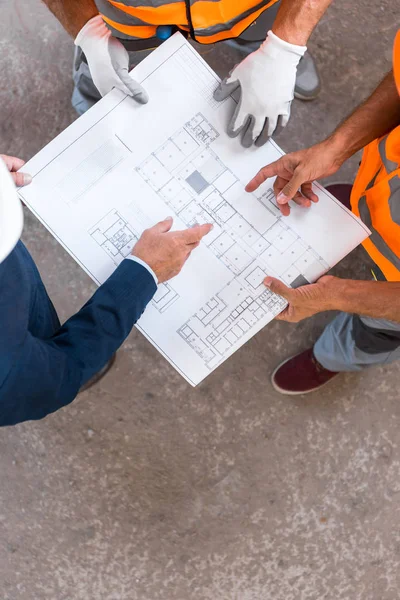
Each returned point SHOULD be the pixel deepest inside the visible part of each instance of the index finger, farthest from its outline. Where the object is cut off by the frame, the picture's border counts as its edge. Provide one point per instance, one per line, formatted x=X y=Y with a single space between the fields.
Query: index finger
x=196 y=233
x=262 y=175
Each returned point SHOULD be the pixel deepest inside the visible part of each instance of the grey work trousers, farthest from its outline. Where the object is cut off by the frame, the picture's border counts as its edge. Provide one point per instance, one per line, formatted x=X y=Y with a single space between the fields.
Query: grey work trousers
x=353 y=343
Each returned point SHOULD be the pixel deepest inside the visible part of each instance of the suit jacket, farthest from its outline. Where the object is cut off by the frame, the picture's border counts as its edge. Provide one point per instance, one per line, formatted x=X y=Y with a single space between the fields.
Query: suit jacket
x=43 y=364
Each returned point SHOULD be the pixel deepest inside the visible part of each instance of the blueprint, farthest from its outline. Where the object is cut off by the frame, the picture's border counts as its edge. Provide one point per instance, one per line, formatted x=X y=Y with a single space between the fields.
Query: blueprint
x=122 y=167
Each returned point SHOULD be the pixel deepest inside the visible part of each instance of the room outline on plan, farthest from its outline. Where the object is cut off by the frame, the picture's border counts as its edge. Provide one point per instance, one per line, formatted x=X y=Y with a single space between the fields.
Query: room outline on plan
x=116 y=236
x=193 y=181
x=121 y=167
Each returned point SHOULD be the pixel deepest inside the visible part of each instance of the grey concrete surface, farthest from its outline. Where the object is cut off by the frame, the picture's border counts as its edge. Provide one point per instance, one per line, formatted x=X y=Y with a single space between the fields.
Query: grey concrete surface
x=147 y=489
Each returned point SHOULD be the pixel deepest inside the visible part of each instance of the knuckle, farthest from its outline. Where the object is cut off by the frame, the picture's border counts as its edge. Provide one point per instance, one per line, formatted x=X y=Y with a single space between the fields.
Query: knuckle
x=299 y=171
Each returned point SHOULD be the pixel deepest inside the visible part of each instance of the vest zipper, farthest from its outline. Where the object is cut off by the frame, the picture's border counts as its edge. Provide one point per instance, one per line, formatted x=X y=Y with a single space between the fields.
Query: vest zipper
x=189 y=19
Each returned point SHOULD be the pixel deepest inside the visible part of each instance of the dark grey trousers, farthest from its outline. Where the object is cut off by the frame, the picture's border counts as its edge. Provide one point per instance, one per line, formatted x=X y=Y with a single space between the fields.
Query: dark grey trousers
x=353 y=343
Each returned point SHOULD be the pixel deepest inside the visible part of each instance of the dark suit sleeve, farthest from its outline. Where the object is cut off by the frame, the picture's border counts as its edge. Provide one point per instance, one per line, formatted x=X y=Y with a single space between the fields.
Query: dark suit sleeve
x=49 y=373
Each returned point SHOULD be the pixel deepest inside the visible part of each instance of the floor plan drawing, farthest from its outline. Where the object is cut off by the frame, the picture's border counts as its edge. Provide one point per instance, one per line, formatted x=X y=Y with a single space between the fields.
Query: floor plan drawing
x=117 y=237
x=164 y=298
x=123 y=167
x=195 y=183
x=215 y=329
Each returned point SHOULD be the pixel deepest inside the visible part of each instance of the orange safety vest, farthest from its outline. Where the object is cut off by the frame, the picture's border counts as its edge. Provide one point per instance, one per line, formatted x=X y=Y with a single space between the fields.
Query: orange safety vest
x=207 y=21
x=376 y=193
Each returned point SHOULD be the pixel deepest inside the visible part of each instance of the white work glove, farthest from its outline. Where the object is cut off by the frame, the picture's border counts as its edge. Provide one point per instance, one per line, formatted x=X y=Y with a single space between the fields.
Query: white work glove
x=266 y=80
x=108 y=61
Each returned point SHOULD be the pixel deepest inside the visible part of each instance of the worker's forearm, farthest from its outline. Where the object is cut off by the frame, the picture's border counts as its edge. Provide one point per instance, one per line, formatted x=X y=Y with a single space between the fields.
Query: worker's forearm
x=375 y=117
x=72 y=14
x=296 y=19
x=376 y=299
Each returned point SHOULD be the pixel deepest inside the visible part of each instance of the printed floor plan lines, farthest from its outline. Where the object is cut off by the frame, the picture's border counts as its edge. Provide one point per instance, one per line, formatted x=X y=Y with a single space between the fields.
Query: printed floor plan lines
x=204 y=82
x=110 y=175
x=214 y=330
x=164 y=297
x=202 y=130
x=116 y=237
x=195 y=183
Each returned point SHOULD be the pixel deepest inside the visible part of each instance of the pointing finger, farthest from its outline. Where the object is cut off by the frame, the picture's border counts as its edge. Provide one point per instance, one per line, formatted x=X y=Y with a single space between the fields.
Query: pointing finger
x=265 y=173
x=196 y=233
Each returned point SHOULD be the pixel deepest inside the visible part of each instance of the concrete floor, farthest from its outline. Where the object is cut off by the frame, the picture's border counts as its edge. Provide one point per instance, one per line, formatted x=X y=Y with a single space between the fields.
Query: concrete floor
x=147 y=489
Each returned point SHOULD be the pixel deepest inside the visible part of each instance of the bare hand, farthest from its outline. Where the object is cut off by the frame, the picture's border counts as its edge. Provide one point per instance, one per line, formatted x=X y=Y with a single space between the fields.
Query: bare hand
x=295 y=173
x=167 y=251
x=307 y=300
x=13 y=164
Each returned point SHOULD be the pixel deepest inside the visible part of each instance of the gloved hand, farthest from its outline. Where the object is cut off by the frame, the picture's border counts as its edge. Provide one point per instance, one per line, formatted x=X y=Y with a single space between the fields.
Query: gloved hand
x=266 y=80
x=108 y=60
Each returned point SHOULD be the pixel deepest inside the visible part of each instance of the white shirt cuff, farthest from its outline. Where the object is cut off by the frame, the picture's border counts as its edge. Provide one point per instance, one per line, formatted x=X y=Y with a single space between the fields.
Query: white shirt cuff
x=145 y=265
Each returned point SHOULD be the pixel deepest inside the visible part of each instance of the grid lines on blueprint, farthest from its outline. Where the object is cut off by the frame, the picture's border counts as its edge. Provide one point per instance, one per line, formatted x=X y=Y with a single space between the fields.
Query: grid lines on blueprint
x=249 y=237
x=188 y=63
x=117 y=237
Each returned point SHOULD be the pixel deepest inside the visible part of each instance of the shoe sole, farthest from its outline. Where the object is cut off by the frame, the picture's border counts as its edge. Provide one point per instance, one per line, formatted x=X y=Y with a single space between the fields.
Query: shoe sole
x=287 y=392
x=306 y=98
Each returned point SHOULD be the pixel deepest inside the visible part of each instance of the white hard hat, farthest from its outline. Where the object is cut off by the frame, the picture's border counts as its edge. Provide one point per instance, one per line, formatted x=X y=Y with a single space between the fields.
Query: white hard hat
x=11 y=213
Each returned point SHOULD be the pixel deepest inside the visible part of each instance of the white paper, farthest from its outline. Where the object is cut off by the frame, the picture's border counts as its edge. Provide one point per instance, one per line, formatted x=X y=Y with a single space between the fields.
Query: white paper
x=122 y=167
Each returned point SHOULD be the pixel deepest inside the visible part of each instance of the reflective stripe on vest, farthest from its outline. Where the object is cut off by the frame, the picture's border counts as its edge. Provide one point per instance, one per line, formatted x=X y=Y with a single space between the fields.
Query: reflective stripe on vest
x=376 y=200
x=376 y=193
x=208 y=20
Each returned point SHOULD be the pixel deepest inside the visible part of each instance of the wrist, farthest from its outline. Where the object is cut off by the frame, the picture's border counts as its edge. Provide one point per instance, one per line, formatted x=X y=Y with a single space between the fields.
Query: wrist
x=334 y=292
x=145 y=265
x=343 y=144
x=281 y=45
x=94 y=28
x=289 y=34
x=337 y=148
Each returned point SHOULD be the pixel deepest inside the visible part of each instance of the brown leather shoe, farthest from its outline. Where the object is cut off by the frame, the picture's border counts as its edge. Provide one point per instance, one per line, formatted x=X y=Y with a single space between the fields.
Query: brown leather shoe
x=96 y=378
x=300 y=375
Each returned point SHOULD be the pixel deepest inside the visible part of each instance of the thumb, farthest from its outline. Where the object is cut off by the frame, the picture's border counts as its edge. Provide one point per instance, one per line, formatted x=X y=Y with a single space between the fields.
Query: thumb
x=134 y=88
x=291 y=188
x=21 y=179
x=277 y=287
x=163 y=226
x=120 y=62
x=225 y=89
